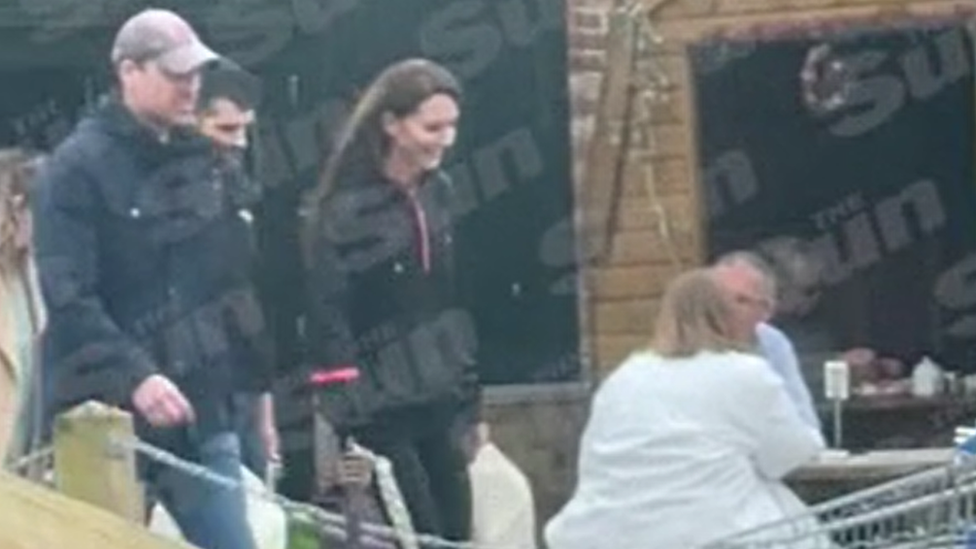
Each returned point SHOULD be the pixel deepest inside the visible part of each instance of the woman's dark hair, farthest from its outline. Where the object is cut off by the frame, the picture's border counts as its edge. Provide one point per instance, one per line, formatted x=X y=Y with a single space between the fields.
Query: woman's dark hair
x=362 y=143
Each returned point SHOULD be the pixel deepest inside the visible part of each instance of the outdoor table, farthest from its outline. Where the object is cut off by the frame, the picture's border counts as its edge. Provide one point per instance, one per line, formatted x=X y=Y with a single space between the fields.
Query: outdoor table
x=834 y=473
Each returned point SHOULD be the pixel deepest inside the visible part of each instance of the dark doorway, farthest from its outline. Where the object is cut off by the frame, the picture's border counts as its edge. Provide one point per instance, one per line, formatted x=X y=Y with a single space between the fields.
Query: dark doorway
x=856 y=147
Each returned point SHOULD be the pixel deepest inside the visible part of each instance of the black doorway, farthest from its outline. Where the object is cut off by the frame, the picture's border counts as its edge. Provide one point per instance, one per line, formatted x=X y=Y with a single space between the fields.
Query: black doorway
x=867 y=158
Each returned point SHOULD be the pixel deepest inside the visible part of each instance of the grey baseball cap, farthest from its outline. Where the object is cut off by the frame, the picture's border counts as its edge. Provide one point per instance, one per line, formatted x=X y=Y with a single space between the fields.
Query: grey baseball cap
x=164 y=37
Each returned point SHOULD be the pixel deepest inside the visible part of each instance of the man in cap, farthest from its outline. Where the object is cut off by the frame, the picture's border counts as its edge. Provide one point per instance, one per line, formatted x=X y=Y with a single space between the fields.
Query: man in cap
x=144 y=262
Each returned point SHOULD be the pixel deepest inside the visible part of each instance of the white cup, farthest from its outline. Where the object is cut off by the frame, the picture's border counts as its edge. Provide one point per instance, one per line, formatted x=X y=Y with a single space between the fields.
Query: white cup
x=837 y=380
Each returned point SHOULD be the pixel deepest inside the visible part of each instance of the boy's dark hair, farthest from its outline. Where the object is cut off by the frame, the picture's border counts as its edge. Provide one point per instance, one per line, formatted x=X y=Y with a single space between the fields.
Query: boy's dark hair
x=227 y=80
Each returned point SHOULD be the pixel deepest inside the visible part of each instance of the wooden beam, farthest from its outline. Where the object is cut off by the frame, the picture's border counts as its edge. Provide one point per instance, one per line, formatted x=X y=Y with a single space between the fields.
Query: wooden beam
x=35 y=517
x=611 y=350
x=650 y=247
x=593 y=218
x=732 y=16
x=635 y=282
x=631 y=317
x=697 y=212
x=655 y=6
x=605 y=153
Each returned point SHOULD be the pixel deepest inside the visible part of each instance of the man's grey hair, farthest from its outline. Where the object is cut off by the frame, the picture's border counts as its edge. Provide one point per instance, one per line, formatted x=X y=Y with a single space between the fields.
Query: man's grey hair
x=752 y=260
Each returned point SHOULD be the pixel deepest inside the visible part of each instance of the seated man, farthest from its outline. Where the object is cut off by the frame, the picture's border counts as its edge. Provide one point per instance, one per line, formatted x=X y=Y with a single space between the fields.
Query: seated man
x=751 y=283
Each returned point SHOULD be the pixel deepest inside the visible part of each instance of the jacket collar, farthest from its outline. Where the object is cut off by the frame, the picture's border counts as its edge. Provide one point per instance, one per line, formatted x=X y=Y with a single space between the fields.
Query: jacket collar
x=118 y=121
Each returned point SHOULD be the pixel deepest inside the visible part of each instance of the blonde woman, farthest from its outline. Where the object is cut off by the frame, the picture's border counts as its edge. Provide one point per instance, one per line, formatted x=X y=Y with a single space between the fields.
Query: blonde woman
x=687 y=442
x=22 y=312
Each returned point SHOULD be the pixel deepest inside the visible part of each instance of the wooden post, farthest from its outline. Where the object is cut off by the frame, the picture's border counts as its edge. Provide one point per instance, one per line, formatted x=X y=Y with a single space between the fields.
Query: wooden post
x=90 y=467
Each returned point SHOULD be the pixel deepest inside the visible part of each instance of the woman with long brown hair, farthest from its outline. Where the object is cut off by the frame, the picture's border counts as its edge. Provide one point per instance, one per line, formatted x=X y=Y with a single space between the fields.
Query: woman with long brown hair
x=382 y=296
x=688 y=441
x=21 y=310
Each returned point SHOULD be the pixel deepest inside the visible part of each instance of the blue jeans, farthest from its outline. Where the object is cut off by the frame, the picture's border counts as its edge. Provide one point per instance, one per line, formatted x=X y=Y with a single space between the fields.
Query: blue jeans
x=253 y=453
x=210 y=516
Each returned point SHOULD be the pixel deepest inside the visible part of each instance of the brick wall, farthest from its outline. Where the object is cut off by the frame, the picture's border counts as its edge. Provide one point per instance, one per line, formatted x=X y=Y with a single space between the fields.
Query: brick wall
x=588 y=22
x=657 y=191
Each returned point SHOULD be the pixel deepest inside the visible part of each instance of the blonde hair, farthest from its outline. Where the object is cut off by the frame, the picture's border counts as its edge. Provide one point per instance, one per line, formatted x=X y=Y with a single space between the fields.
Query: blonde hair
x=17 y=169
x=694 y=316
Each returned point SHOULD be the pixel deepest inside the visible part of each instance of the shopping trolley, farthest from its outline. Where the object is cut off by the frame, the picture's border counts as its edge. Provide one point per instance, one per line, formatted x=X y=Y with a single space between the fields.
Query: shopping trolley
x=931 y=509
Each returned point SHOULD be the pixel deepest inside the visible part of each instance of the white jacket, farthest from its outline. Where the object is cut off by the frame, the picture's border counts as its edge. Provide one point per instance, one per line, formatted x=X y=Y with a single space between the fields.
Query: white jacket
x=681 y=452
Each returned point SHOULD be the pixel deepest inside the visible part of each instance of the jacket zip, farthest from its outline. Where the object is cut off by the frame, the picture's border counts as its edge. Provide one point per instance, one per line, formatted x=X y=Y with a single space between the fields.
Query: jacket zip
x=423 y=233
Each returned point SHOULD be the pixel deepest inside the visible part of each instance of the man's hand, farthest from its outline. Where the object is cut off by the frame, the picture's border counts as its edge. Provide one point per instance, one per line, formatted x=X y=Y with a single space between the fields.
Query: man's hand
x=355 y=469
x=162 y=403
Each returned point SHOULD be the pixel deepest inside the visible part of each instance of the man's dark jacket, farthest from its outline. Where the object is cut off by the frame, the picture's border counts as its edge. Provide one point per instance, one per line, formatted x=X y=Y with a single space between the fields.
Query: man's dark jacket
x=144 y=251
x=374 y=305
